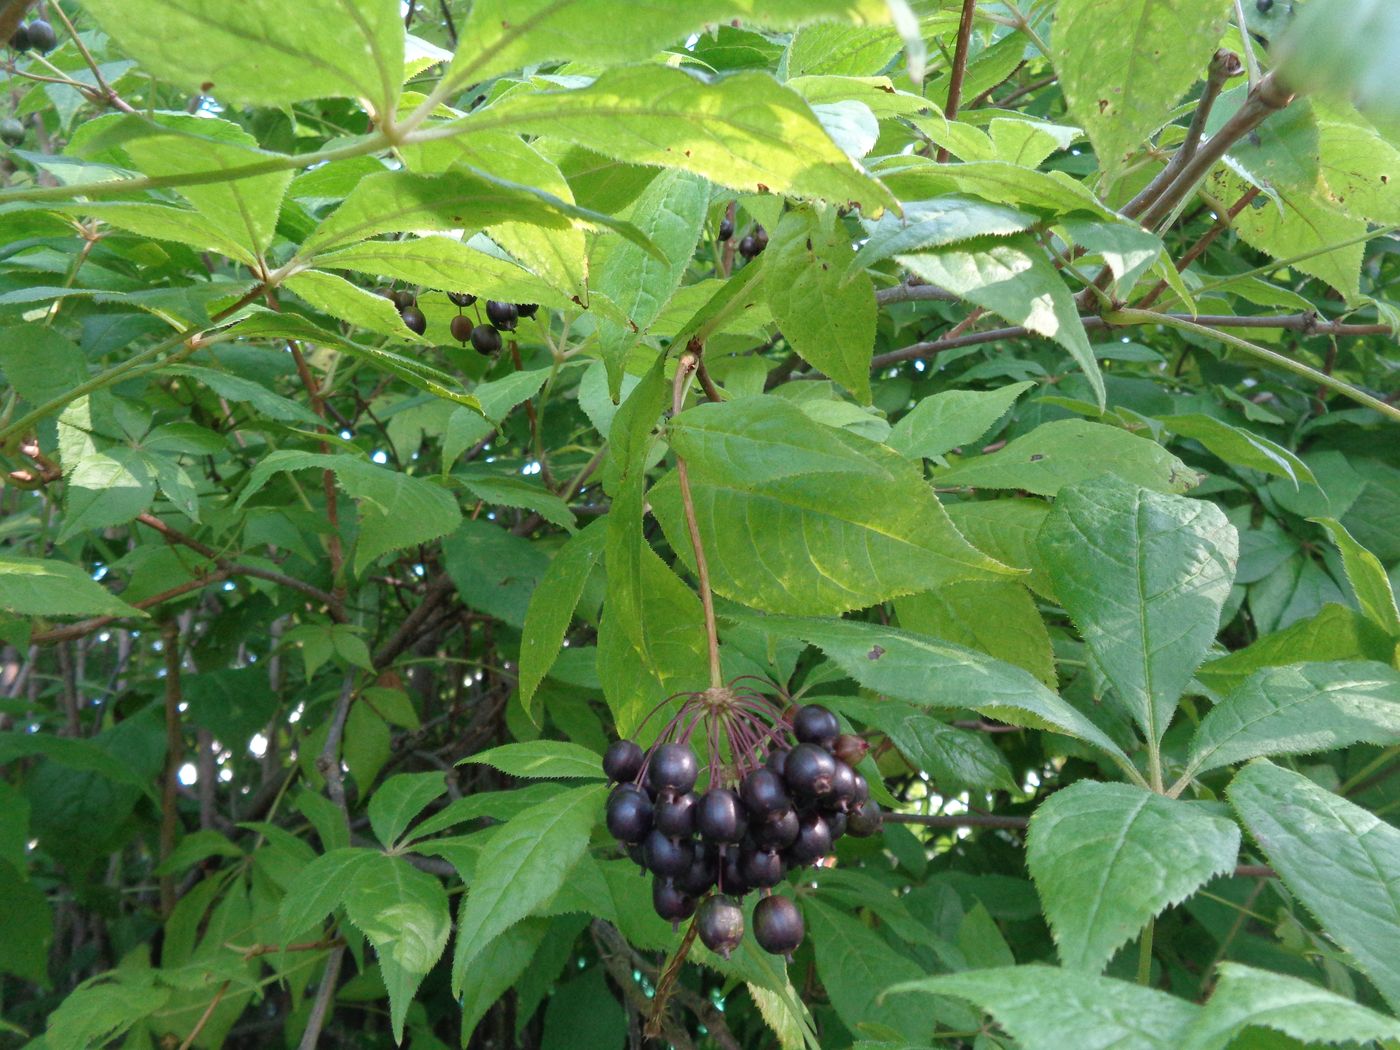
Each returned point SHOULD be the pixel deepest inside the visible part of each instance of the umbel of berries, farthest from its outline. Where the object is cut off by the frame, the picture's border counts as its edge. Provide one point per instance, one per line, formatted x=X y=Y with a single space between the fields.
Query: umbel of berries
x=776 y=792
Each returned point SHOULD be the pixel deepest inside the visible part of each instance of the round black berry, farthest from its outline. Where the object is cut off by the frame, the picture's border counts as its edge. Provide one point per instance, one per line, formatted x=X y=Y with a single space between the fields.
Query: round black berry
x=638 y=855
x=726 y=229
x=865 y=819
x=850 y=748
x=777 y=832
x=676 y=816
x=41 y=36
x=761 y=868
x=486 y=340
x=666 y=856
x=704 y=868
x=461 y=328
x=20 y=40
x=813 y=839
x=747 y=248
x=842 y=796
x=1264 y=6
x=777 y=762
x=730 y=871
x=814 y=724
x=414 y=320
x=764 y=794
x=836 y=823
x=527 y=309
x=777 y=925
x=623 y=758
x=403 y=298
x=502 y=315
x=862 y=791
x=809 y=771
x=673 y=768
x=11 y=131
x=461 y=298
x=721 y=817
x=721 y=924
x=629 y=814
x=670 y=901
x=760 y=238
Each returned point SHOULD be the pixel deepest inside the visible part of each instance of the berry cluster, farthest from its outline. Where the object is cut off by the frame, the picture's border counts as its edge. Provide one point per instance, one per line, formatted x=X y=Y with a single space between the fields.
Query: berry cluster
x=37 y=35
x=485 y=338
x=780 y=805
x=752 y=244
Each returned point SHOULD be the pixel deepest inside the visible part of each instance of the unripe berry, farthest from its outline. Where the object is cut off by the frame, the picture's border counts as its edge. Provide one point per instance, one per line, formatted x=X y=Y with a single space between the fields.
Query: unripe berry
x=461 y=328
x=850 y=748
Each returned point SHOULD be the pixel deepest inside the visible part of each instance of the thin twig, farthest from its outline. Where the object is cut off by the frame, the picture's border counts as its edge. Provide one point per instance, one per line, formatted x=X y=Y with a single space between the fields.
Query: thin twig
x=689 y=362
x=174 y=754
x=1198 y=249
x=959 y=71
x=321 y=1007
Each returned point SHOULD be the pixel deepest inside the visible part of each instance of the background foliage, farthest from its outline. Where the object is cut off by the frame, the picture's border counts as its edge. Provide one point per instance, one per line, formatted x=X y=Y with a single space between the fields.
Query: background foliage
x=1050 y=442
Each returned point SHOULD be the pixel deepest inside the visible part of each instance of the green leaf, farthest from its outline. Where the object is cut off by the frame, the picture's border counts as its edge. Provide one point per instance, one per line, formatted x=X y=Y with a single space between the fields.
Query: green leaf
x=332 y=294
x=856 y=965
x=1107 y=858
x=499 y=965
x=1007 y=530
x=746 y=131
x=1068 y=451
x=941 y=422
x=396 y=510
x=1239 y=447
x=1367 y=577
x=523 y=866
x=1121 y=86
x=1299 y=710
x=27 y=919
x=1054 y=193
x=671 y=213
x=96 y=1013
x=499 y=396
x=552 y=607
x=38 y=363
x=399 y=799
x=319 y=888
x=760 y=467
x=1151 y=613
x=935 y=223
x=493 y=570
x=517 y=492
x=445 y=263
x=955 y=759
x=996 y=617
x=1037 y=1005
x=1126 y=247
x=511 y=34
x=395 y=201
x=254 y=53
x=403 y=911
x=1247 y=997
x=1341 y=862
x=1013 y=277
x=903 y=665
x=247 y=392
x=542 y=758
x=826 y=312
x=44 y=587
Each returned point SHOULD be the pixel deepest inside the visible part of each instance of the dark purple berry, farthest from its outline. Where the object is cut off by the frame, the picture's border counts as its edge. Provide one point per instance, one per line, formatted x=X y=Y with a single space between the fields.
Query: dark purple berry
x=20 y=40
x=814 y=724
x=761 y=868
x=670 y=901
x=622 y=761
x=809 y=771
x=673 y=768
x=850 y=748
x=777 y=925
x=842 y=796
x=11 y=131
x=747 y=247
x=865 y=819
x=813 y=839
x=726 y=228
x=676 y=816
x=403 y=298
x=777 y=832
x=721 y=817
x=486 y=340
x=667 y=857
x=527 y=309
x=461 y=298
x=414 y=320
x=731 y=875
x=721 y=924
x=502 y=315
x=629 y=814
x=862 y=791
x=777 y=761
x=764 y=794
x=700 y=877
x=461 y=328
x=836 y=823
x=760 y=238
x=41 y=36
x=638 y=855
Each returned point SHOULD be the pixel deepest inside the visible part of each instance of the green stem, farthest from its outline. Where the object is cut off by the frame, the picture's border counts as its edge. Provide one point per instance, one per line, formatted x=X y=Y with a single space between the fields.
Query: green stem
x=1288 y=364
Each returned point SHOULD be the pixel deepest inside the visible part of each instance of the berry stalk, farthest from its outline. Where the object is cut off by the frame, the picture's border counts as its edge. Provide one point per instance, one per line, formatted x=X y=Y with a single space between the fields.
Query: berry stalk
x=685 y=368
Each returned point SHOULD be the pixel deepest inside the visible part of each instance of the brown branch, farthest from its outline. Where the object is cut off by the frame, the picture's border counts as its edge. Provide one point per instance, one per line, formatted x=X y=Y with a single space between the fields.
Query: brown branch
x=321 y=1007
x=328 y=761
x=174 y=754
x=913 y=293
x=959 y=71
x=86 y=627
x=1198 y=249
x=1025 y=89
x=218 y=996
x=666 y=983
